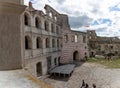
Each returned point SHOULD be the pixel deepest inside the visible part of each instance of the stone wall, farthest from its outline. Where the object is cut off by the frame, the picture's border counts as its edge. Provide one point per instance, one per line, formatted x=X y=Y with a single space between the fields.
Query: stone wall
x=13 y=1
x=48 y=28
x=71 y=45
x=10 y=36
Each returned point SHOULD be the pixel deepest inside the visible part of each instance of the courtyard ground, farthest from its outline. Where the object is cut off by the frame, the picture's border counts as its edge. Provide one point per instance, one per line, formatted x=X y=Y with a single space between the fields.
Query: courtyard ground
x=100 y=75
x=20 y=79
x=95 y=73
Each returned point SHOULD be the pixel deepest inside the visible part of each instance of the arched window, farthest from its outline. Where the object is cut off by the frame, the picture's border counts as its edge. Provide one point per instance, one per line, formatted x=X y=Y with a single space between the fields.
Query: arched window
x=76 y=38
x=52 y=28
x=55 y=61
x=27 y=42
x=53 y=43
x=84 y=39
x=57 y=30
x=57 y=43
x=47 y=43
x=66 y=38
x=58 y=60
x=37 y=22
x=55 y=18
x=27 y=19
x=38 y=42
x=72 y=38
x=46 y=26
x=39 y=69
x=75 y=55
x=90 y=37
x=50 y=14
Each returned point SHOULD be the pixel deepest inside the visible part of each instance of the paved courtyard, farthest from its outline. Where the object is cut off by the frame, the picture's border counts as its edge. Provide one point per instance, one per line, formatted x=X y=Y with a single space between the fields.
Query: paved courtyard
x=16 y=79
x=20 y=79
x=92 y=73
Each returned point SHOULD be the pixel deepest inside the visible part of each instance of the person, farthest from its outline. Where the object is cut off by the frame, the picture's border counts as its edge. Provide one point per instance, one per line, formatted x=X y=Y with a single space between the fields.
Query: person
x=86 y=85
x=83 y=84
x=94 y=86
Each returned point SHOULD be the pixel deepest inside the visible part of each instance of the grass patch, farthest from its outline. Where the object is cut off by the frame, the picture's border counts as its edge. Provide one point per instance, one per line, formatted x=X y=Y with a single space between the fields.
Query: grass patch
x=110 y=64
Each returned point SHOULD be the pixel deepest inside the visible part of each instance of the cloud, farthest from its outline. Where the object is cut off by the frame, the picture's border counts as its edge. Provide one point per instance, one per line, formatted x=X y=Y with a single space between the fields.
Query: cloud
x=26 y=2
x=60 y=1
x=101 y=29
x=101 y=15
x=115 y=8
x=102 y=21
x=77 y=22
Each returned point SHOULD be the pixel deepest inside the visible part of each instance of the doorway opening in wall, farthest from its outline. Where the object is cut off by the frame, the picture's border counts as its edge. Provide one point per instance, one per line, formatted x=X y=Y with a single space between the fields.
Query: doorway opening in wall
x=39 y=69
x=48 y=64
x=92 y=54
x=27 y=42
x=75 y=56
x=58 y=61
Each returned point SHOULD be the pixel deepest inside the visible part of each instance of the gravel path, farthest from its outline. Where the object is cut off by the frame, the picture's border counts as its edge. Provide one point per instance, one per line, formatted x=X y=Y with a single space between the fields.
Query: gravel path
x=91 y=73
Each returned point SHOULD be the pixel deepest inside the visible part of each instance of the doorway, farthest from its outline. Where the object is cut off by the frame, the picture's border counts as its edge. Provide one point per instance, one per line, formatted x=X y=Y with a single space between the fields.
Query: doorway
x=49 y=63
x=75 y=56
x=39 y=69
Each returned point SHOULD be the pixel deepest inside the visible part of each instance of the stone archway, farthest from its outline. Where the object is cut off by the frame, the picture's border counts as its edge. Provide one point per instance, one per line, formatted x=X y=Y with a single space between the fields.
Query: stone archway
x=75 y=56
x=92 y=54
x=39 y=69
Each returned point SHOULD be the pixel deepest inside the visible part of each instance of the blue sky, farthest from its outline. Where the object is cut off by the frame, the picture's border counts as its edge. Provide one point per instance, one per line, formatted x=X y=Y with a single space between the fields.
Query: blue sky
x=101 y=15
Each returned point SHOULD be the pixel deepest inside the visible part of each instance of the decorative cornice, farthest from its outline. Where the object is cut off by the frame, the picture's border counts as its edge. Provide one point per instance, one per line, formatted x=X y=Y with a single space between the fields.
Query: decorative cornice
x=11 y=8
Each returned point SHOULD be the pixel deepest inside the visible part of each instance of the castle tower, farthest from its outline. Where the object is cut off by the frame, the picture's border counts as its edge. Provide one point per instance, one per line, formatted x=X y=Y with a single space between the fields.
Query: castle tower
x=10 y=34
x=91 y=34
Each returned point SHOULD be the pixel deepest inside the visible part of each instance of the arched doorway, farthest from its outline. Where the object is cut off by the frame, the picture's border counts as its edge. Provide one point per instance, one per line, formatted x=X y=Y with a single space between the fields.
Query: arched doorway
x=58 y=60
x=75 y=56
x=28 y=42
x=27 y=19
x=92 y=54
x=39 y=69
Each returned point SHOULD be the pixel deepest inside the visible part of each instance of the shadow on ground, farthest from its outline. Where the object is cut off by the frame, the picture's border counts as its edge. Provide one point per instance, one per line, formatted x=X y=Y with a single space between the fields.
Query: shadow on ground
x=79 y=63
x=62 y=78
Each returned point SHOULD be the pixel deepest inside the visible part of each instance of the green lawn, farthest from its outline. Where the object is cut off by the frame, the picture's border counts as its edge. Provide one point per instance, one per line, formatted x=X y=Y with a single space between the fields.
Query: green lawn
x=110 y=64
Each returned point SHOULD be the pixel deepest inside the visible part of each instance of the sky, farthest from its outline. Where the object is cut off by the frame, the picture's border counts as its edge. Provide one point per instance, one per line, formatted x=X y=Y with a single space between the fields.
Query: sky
x=100 y=15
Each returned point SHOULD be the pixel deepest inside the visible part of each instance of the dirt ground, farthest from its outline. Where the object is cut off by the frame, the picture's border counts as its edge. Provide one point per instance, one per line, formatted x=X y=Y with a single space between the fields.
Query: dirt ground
x=92 y=73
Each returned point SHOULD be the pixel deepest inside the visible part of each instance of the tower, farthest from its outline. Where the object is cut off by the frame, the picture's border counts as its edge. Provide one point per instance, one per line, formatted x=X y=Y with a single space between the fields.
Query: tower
x=91 y=34
x=10 y=34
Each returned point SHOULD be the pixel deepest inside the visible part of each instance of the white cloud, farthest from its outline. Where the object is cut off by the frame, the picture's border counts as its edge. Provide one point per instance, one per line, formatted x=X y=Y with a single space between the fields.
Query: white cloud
x=96 y=10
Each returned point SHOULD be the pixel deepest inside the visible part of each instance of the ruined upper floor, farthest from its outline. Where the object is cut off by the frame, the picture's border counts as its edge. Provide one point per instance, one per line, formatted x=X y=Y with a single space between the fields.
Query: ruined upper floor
x=92 y=36
x=50 y=14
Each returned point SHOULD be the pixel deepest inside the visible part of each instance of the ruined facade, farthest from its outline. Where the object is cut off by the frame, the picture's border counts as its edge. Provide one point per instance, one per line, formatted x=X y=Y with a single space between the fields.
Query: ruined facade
x=102 y=45
x=75 y=46
x=42 y=33
x=38 y=41
x=45 y=42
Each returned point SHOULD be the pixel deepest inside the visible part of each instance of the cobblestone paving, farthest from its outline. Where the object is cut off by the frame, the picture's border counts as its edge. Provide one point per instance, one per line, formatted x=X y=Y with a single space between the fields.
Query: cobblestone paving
x=91 y=73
